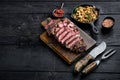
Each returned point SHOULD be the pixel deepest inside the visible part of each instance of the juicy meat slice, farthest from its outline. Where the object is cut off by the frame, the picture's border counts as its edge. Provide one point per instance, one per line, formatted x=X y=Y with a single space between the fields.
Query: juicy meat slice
x=80 y=46
x=57 y=29
x=64 y=23
x=60 y=24
x=50 y=23
x=62 y=36
x=71 y=25
x=71 y=32
x=70 y=39
x=59 y=32
x=68 y=29
x=67 y=36
x=72 y=43
x=50 y=29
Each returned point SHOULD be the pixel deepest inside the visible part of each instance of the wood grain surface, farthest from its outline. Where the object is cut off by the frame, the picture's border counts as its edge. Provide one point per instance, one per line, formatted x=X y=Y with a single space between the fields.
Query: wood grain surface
x=23 y=56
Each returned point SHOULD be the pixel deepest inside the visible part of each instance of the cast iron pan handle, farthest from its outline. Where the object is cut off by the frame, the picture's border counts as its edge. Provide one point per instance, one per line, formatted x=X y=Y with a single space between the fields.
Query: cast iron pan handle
x=94 y=28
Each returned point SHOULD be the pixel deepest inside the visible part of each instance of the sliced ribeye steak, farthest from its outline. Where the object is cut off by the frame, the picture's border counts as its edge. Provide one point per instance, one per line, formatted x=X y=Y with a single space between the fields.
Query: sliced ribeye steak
x=67 y=33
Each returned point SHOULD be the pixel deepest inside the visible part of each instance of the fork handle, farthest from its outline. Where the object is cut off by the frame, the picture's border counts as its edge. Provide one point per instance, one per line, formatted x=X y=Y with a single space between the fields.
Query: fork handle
x=82 y=63
x=91 y=67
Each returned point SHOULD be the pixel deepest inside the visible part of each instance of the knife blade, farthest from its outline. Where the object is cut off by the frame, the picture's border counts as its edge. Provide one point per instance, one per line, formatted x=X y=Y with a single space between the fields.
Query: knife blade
x=92 y=55
x=98 y=50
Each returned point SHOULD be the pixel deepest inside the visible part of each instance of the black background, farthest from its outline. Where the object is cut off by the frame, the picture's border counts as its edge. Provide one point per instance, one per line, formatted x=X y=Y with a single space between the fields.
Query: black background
x=23 y=56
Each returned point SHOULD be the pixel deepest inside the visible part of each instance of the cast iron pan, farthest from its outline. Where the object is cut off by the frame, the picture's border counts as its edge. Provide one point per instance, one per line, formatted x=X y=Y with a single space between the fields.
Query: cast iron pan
x=94 y=28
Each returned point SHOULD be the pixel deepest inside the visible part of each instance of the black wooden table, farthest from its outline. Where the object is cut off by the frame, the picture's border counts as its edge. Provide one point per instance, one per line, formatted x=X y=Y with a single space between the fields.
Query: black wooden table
x=23 y=56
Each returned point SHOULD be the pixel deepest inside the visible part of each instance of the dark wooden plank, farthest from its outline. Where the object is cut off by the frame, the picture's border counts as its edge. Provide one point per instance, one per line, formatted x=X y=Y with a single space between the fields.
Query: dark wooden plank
x=55 y=76
x=70 y=76
x=21 y=49
x=47 y=7
x=21 y=28
x=15 y=24
x=59 y=0
x=26 y=58
x=42 y=58
x=17 y=75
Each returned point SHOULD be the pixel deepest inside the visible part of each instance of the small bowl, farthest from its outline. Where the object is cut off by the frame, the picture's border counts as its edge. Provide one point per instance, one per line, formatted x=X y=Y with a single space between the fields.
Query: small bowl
x=58 y=15
x=108 y=22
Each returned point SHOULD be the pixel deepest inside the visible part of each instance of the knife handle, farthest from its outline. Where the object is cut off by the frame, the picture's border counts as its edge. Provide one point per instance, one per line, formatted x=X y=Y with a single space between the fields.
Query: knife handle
x=89 y=68
x=82 y=63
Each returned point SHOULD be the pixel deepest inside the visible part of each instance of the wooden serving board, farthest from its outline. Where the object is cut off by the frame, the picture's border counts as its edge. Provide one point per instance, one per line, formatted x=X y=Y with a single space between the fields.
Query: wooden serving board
x=66 y=54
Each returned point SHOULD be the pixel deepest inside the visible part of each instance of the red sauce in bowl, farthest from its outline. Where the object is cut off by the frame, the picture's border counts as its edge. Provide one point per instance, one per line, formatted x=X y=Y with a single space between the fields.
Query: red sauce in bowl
x=58 y=12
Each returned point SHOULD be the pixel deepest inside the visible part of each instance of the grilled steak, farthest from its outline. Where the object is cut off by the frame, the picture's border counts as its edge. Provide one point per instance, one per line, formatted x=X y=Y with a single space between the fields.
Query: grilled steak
x=67 y=34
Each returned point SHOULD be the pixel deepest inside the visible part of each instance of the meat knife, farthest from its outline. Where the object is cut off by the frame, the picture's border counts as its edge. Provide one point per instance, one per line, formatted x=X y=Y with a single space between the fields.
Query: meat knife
x=90 y=56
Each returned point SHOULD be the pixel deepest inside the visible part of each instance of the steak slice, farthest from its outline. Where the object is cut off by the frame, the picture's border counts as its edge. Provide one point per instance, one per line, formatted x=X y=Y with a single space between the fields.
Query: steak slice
x=79 y=46
x=62 y=36
x=70 y=39
x=67 y=33
x=61 y=30
x=72 y=43
x=49 y=24
x=60 y=24
x=67 y=37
